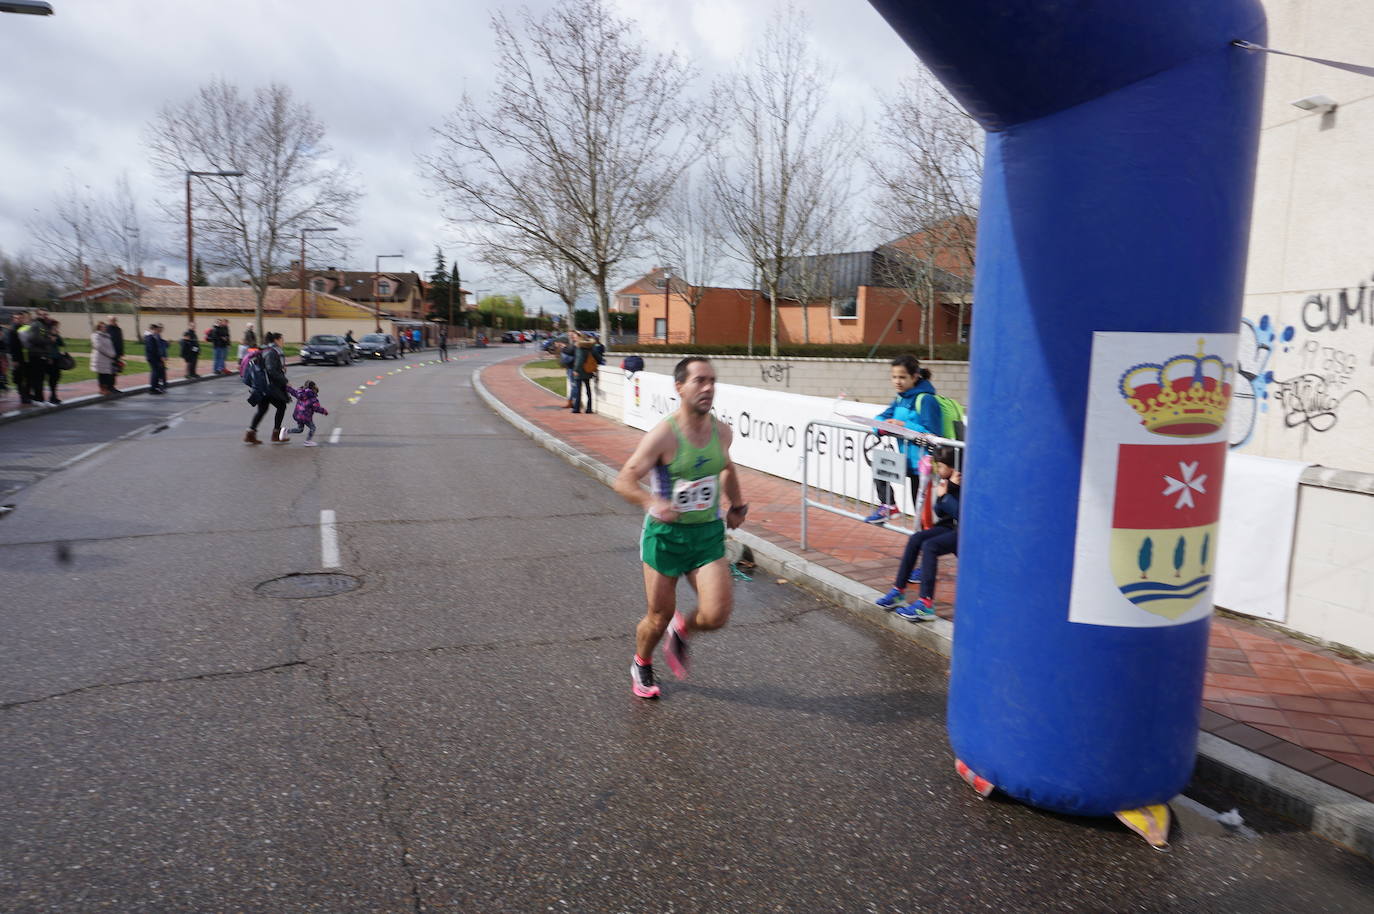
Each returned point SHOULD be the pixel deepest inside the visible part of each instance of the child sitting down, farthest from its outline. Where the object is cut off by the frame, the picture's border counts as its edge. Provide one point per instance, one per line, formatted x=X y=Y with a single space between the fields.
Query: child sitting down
x=928 y=545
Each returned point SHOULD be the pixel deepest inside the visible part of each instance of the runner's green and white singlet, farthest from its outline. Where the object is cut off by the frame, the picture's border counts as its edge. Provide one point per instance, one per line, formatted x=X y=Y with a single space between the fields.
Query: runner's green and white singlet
x=691 y=483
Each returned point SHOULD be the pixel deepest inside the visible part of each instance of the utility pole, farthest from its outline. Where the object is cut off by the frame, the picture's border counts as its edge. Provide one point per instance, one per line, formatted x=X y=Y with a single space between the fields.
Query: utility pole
x=304 y=232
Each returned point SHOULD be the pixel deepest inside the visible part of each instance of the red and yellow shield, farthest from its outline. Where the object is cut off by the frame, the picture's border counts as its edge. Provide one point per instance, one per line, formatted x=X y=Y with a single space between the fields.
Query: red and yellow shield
x=1168 y=498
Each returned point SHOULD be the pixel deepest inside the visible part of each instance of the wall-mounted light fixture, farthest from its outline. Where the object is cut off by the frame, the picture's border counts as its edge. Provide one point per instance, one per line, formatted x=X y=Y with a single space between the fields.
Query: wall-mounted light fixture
x=1317 y=104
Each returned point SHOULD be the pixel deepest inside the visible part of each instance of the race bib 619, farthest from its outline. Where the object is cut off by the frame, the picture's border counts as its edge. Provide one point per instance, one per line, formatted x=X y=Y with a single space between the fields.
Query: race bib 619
x=694 y=494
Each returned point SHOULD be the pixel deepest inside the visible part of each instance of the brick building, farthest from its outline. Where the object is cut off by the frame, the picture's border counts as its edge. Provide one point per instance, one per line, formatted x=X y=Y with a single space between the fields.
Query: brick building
x=855 y=297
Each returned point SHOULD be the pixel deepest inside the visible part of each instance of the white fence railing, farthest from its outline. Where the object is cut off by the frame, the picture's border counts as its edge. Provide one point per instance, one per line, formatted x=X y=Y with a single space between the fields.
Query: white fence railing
x=835 y=479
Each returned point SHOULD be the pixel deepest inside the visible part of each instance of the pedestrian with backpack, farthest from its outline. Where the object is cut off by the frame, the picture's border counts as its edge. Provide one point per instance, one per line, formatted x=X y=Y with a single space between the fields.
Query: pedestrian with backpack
x=585 y=361
x=264 y=371
x=915 y=407
x=307 y=404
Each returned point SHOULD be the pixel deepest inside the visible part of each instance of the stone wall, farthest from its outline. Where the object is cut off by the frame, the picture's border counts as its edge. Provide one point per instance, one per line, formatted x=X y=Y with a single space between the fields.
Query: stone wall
x=858 y=379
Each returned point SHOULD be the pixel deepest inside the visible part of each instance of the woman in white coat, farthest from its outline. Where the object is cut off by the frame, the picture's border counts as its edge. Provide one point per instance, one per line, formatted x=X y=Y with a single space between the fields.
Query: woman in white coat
x=103 y=358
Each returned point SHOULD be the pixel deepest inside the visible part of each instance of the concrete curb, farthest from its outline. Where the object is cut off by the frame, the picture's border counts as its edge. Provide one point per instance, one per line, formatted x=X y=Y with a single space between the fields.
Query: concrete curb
x=1322 y=809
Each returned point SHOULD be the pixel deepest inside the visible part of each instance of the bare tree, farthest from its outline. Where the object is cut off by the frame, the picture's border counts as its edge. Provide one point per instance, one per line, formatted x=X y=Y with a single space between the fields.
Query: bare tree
x=125 y=238
x=70 y=235
x=927 y=166
x=25 y=280
x=517 y=257
x=289 y=179
x=688 y=237
x=780 y=178
x=809 y=279
x=584 y=125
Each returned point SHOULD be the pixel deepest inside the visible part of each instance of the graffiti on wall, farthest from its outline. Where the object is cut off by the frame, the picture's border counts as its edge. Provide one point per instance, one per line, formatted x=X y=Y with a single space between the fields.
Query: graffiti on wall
x=1312 y=374
x=1254 y=376
x=776 y=373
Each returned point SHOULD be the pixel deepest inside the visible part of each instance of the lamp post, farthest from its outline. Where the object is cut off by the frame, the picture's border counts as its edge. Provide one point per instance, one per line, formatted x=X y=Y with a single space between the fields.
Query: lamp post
x=190 y=249
x=376 y=296
x=477 y=302
x=306 y=231
x=667 y=286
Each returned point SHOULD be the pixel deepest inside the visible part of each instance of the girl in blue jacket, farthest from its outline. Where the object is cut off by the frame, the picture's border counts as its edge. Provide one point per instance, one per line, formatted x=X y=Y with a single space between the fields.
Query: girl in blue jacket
x=920 y=414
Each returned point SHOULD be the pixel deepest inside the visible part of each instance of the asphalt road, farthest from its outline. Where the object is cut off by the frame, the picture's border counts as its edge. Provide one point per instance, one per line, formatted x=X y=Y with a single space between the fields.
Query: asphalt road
x=457 y=733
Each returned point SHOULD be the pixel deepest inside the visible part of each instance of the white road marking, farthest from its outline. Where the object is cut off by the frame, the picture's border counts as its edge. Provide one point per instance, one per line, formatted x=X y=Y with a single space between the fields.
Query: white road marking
x=329 y=541
x=334 y=435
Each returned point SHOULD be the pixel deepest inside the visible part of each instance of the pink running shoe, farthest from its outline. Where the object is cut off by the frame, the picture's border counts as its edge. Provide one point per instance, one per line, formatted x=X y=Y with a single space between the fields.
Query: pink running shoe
x=642 y=680
x=675 y=646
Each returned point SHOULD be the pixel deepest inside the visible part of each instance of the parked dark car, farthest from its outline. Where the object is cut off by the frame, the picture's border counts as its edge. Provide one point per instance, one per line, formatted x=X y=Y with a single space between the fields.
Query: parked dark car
x=324 y=347
x=379 y=345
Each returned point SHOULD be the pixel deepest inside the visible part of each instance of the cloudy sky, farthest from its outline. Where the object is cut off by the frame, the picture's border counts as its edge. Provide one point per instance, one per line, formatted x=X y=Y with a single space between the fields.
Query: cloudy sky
x=80 y=88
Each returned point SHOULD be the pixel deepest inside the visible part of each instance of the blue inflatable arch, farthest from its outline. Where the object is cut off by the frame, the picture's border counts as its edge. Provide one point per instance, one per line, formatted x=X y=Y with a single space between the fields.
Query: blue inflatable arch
x=1111 y=257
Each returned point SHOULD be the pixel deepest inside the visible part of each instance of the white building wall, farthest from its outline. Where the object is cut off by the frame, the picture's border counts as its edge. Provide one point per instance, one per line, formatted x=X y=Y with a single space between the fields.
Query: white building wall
x=1309 y=310
x=1310 y=248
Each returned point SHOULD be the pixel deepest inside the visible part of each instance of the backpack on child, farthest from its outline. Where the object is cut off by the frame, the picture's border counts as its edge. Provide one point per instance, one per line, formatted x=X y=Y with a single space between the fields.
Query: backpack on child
x=951 y=416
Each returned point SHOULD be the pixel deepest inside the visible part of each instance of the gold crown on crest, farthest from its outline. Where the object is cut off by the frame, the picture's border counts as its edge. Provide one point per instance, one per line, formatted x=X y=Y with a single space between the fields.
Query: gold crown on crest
x=1186 y=397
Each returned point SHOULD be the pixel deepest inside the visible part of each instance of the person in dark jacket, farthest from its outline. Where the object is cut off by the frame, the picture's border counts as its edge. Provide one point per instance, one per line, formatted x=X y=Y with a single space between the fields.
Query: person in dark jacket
x=18 y=363
x=928 y=545
x=274 y=391
x=36 y=337
x=585 y=362
x=190 y=351
x=56 y=349
x=155 y=351
x=219 y=341
x=116 y=335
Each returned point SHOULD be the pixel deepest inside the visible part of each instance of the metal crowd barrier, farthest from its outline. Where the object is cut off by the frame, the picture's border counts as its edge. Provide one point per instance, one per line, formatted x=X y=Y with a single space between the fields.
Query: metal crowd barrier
x=837 y=473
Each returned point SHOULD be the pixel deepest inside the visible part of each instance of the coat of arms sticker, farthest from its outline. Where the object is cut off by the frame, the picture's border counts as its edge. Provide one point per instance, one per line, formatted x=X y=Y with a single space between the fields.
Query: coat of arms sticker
x=1154 y=455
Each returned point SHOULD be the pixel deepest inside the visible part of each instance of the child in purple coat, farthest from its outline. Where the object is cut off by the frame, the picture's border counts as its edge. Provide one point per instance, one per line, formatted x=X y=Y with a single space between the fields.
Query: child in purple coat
x=307 y=404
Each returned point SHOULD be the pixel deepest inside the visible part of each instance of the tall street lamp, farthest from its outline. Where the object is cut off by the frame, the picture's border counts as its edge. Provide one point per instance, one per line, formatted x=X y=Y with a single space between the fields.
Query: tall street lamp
x=306 y=231
x=667 y=285
x=376 y=281
x=190 y=255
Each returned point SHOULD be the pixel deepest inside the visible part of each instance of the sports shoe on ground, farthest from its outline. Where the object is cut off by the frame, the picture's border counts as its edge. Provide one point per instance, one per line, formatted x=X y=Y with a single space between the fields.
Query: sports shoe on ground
x=675 y=647
x=918 y=610
x=893 y=599
x=312 y=444
x=879 y=516
x=642 y=680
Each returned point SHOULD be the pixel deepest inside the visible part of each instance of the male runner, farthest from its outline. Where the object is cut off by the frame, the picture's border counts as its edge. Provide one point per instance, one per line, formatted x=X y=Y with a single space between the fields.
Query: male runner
x=688 y=454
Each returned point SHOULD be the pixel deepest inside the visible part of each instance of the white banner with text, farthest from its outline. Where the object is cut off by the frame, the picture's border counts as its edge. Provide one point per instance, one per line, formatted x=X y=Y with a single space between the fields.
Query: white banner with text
x=768 y=431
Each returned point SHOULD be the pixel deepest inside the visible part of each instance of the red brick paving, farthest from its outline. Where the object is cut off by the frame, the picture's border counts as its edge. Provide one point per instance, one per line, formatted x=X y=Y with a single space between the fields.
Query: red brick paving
x=1300 y=705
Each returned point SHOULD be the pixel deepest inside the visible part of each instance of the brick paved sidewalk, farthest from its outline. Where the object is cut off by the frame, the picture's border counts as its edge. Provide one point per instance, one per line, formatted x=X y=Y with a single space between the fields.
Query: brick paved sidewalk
x=1297 y=704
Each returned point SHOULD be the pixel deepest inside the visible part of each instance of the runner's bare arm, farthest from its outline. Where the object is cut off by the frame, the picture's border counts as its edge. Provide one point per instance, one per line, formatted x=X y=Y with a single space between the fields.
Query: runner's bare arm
x=729 y=481
x=649 y=454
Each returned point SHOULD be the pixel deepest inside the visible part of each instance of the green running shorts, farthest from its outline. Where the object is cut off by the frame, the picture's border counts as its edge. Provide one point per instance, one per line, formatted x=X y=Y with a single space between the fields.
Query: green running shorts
x=675 y=549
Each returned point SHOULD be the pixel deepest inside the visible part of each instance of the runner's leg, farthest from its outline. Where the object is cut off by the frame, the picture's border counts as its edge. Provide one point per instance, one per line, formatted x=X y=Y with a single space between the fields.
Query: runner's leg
x=660 y=592
x=715 y=596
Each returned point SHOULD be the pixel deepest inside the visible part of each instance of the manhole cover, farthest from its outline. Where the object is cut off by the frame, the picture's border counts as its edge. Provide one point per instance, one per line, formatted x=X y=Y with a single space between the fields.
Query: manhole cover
x=301 y=586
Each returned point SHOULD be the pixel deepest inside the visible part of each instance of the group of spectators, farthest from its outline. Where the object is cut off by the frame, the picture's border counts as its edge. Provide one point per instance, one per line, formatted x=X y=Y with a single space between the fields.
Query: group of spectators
x=580 y=356
x=34 y=355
